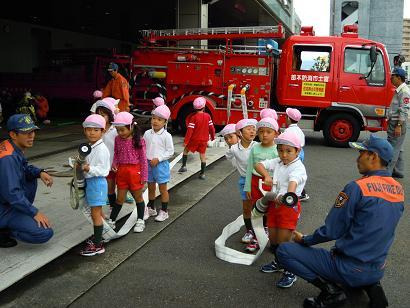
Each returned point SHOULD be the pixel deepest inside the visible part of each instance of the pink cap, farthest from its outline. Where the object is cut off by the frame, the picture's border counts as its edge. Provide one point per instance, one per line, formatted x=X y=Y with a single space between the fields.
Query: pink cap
x=94 y=120
x=245 y=122
x=162 y=112
x=106 y=104
x=269 y=113
x=158 y=101
x=228 y=129
x=199 y=102
x=288 y=138
x=111 y=100
x=294 y=114
x=97 y=94
x=123 y=118
x=268 y=122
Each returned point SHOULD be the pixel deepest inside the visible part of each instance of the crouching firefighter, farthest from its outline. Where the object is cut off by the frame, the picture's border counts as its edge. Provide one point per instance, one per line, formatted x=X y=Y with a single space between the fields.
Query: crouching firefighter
x=19 y=218
x=362 y=221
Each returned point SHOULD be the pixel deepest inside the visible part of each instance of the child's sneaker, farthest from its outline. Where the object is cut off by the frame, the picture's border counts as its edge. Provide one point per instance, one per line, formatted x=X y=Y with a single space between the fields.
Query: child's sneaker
x=152 y=212
x=248 y=237
x=162 y=216
x=287 y=280
x=272 y=267
x=202 y=176
x=111 y=223
x=182 y=169
x=129 y=198
x=304 y=197
x=139 y=226
x=146 y=213
x=91 y=249
x=252 y=246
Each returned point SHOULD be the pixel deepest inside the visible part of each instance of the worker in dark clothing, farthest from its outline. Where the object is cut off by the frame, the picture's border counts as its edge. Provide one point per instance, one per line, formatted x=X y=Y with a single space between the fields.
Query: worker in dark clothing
x=19 y=219
x=362 y=221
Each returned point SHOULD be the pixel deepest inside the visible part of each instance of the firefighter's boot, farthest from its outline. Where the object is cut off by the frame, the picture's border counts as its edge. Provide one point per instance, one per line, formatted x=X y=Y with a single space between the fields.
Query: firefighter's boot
x=331 y=295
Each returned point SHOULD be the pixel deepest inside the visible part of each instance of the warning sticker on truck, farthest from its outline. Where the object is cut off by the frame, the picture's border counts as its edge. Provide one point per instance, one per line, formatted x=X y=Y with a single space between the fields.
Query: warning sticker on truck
x=317 y=89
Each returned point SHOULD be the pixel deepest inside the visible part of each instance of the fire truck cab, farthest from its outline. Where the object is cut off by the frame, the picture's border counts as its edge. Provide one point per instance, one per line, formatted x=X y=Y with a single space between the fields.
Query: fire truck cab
x=340 y=84
x=328 y=79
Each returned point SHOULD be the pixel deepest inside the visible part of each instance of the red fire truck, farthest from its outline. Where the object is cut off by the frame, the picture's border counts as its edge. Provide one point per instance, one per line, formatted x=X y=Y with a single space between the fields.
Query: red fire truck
x=341 y=84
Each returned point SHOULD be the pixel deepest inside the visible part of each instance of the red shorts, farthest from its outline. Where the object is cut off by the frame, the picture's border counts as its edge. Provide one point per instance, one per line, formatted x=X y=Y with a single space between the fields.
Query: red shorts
x=111 y=176
x=197 y=146
x=283 y=217
x=129 y=177
x=255 y=192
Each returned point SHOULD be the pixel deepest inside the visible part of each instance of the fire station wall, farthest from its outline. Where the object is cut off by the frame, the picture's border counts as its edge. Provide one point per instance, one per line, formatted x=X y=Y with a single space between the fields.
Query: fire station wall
x=22 y=44
x=192 y=14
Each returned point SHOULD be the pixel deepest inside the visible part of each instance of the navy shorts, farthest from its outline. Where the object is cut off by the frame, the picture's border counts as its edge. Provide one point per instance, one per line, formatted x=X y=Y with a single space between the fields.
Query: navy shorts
x=160 y=173
x=96 y=191
x=241 y=185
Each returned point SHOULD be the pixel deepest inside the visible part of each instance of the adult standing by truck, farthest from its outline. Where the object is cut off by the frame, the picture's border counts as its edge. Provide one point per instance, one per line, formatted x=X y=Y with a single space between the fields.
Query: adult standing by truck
x=118 y=88
x=397 y=120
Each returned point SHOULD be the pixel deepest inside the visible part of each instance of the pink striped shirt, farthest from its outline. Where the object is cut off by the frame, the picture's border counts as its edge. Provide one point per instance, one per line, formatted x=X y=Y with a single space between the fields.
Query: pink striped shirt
x=126 y=154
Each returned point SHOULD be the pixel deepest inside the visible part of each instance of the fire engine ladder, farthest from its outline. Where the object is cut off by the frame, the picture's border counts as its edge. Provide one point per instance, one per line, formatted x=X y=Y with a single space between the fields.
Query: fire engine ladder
x=242 y=97
x=227 y=33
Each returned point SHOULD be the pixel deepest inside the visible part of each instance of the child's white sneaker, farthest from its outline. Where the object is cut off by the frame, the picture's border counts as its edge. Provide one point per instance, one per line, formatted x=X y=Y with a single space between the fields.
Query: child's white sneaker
x=162 y=216
x=139 y=226
x=146 y=213
x=152 y=212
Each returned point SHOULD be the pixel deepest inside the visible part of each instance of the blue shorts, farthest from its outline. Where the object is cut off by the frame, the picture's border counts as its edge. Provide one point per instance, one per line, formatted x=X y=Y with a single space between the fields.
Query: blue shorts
x=241 y=184
x=96 y=191
x=160 y=173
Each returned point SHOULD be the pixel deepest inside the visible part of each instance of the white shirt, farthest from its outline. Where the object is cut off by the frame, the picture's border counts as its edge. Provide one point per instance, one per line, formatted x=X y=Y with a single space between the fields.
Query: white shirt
x=99 y=160
x=283 y=174
x=239 y=155
x=109 y=140
x=158 y=144
x=296 y=129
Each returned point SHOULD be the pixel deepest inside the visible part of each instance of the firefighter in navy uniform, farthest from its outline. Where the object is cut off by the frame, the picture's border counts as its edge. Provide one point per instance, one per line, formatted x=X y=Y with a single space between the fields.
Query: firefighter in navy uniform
x=362 y=221
x=19 y=218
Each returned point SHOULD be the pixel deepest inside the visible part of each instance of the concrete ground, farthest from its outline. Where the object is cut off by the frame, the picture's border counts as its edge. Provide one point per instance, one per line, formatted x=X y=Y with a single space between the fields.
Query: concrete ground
x=177 y=267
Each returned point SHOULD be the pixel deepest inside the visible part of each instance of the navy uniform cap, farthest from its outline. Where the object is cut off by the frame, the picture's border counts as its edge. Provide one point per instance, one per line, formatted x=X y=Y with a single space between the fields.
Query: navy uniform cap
x=112 y=67
x=399 y=72
x=21 y=123
x=377 y=145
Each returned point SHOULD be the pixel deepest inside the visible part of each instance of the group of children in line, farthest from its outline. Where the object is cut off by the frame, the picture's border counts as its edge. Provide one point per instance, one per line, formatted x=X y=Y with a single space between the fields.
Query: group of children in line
x=276 y=161
x=123 y=160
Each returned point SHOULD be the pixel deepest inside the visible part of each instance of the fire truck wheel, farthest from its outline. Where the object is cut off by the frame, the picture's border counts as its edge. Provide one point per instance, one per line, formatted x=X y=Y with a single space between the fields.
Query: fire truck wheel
x=182 y=118
x=340 y=129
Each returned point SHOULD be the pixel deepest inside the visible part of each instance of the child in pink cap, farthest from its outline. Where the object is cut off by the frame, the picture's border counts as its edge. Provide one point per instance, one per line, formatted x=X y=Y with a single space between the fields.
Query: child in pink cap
x=160 y=149
x=107 y=110
x=293 y=117
x=200 y=126
x=130 y=165
x=267 y=129
x=95 y=169
x=229 y=134
x=285 y=174
x=269 y=113
x=238 y=154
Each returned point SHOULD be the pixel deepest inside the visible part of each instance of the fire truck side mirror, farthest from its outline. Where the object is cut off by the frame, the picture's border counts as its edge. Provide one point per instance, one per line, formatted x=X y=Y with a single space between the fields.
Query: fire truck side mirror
x=373 y=54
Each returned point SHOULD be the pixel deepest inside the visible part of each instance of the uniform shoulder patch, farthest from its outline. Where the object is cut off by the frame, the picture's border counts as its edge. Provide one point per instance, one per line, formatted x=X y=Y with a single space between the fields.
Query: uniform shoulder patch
x=341 y=199
x=6 y=149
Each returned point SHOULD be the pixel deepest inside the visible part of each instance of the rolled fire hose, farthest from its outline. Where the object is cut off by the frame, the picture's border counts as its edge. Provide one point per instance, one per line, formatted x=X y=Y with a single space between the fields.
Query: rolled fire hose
x=109 y=233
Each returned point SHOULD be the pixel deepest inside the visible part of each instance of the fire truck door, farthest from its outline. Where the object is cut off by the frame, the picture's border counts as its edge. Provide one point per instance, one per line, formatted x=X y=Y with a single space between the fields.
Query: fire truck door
x=310 y=80
x=353 y=88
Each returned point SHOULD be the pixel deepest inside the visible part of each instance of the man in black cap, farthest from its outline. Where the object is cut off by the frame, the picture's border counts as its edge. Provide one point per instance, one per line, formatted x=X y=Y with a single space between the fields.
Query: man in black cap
x=397 y=117
x=362 y=220
x=19 y=219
